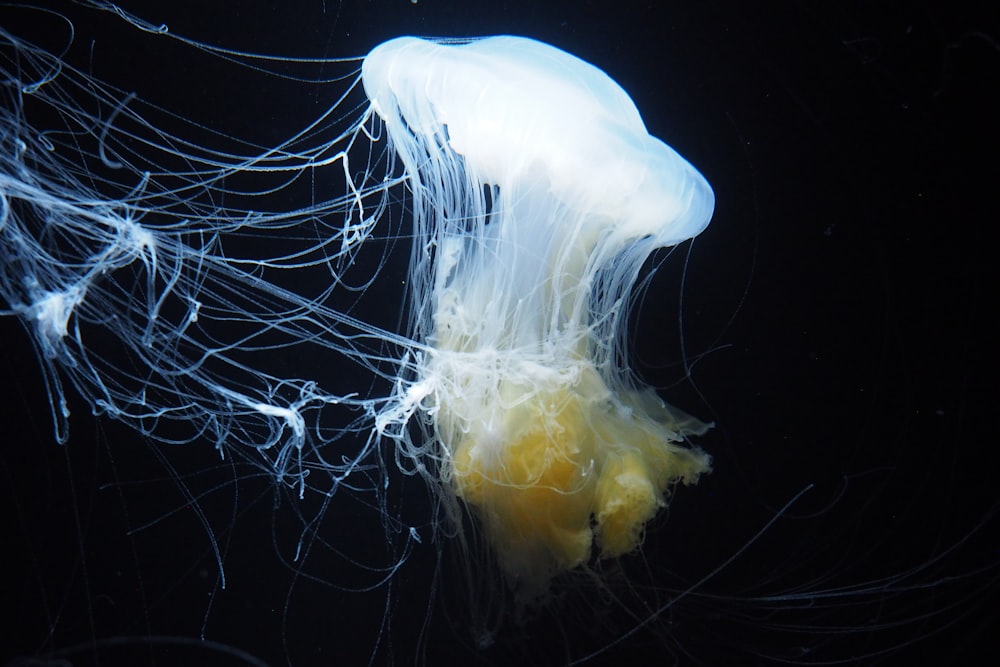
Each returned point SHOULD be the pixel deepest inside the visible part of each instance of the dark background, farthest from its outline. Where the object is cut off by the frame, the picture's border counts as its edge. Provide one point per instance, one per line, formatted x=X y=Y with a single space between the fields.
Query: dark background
x=838 y=322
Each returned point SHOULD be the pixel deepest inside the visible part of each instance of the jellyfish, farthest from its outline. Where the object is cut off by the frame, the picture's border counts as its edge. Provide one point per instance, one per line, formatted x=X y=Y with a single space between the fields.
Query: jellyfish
x=402 y=317
x=528 y=193
x=537 y=196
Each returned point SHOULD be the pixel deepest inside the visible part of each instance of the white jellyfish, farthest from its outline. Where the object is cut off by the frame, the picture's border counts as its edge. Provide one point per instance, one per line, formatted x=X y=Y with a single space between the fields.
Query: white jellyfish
x=537 y=196
x=419 y=289
x=533 y=194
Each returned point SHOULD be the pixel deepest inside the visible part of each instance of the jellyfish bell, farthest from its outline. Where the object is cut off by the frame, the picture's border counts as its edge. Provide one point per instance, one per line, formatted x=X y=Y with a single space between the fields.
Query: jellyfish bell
x=515 y=109
x=537 y=196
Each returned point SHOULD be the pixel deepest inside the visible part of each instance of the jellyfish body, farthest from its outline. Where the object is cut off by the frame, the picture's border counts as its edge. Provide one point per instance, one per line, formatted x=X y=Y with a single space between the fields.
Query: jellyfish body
x=179 y=279
x=537 y=196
